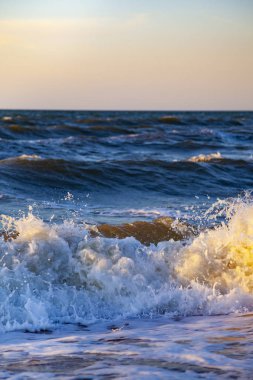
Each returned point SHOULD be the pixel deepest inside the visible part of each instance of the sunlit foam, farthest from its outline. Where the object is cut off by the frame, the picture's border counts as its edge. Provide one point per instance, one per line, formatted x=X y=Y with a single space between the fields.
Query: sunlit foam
x=59 y=274
x=205 y=157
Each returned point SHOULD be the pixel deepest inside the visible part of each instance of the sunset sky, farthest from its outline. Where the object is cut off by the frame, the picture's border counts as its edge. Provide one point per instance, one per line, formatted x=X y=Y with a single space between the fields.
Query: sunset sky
x=126 y=54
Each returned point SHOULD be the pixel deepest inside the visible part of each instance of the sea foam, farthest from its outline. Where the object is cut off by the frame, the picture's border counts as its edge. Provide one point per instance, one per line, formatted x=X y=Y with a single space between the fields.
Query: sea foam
x=55 y=274
x=205 y=157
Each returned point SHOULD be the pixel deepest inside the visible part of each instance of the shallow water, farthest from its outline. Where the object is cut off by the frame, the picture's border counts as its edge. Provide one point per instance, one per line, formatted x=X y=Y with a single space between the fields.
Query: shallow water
x=196 y=347
x=76 y=304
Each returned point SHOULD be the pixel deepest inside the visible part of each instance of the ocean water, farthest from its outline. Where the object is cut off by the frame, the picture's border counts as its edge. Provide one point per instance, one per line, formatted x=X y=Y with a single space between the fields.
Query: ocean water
x=79 y=303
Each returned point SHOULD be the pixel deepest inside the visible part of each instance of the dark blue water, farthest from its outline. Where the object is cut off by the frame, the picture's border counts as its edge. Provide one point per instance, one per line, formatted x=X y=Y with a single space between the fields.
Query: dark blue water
x=115 y=161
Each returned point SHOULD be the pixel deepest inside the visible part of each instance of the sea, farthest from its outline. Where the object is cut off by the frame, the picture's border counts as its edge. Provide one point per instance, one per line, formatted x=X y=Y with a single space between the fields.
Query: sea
x=76 y=303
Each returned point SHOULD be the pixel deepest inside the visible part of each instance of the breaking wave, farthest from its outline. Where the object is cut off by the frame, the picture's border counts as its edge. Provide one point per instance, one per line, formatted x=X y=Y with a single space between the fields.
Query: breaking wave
x=53 y=274
x=205 y=157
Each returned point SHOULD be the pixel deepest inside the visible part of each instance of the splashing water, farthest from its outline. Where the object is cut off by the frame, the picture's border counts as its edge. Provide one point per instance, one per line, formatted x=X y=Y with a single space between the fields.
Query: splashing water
x=58 y=273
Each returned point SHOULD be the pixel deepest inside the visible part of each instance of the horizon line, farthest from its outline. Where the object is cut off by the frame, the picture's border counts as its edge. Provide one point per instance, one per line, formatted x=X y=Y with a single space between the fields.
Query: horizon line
x=122 y=110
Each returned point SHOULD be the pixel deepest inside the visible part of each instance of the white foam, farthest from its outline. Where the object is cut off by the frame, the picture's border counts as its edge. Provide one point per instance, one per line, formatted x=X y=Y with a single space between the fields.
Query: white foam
x=145 y=212
x=205 y=157
x=58 y=273
x=28 y=157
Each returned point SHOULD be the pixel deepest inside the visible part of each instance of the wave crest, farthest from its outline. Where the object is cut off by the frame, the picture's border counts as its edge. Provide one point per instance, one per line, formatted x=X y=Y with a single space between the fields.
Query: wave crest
x=22 y=158
x=222 y=257
x=60 y=273
x=205 y=157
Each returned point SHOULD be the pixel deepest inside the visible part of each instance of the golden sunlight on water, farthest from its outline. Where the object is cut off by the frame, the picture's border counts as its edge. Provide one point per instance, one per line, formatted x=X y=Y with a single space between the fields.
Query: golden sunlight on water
x=222 y=257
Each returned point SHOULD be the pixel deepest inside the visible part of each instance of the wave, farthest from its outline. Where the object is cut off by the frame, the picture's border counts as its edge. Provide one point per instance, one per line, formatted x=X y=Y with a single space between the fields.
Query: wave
x=174 y=120
x=161 y=229
x=217 y=158
x=139 y=213
x=45 y=125
x=21 y=159
x=205 y=157
x=55 y=274
x=34 y=161
x=7 y=118
x=55 y=164
x=12 y=131
x=29 y=172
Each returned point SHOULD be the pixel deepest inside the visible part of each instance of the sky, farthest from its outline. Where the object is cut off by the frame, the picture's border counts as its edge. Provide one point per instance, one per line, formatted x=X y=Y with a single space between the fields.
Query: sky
x=126 y=54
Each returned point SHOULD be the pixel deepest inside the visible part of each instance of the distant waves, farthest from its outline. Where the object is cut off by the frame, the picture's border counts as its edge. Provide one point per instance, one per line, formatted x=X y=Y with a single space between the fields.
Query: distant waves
x=151 y=158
